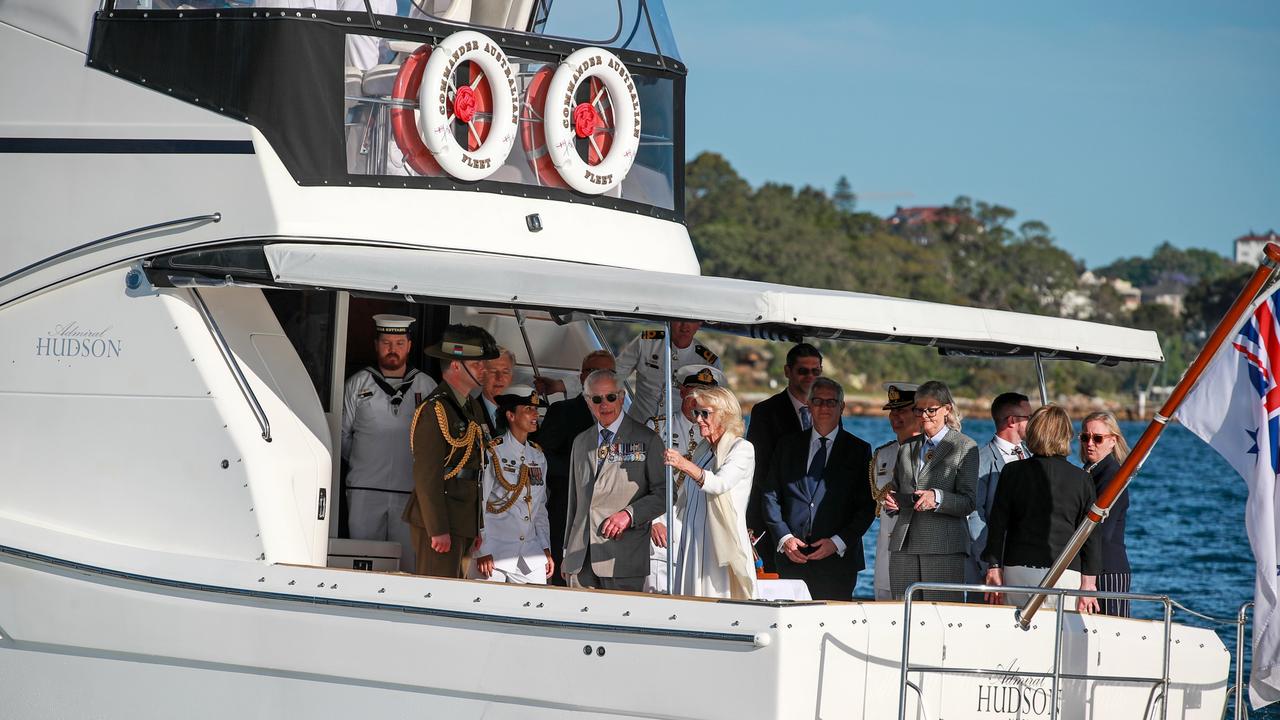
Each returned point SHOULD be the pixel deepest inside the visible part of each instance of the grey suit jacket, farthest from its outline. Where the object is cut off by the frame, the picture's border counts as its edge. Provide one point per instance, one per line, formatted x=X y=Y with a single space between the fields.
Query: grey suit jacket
x=990 y=463
x=637 y=484
x=953 y=469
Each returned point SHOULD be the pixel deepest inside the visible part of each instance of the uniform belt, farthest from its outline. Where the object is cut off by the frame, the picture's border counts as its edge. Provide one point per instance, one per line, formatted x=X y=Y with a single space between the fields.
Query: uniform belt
x=398 y=492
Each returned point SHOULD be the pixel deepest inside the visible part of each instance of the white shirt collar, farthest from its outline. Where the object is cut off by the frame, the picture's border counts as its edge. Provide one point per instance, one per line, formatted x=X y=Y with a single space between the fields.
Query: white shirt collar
x=797 y=404
x=507 y=437
x=1004 y=446
x=613 y=427
x=831 y=436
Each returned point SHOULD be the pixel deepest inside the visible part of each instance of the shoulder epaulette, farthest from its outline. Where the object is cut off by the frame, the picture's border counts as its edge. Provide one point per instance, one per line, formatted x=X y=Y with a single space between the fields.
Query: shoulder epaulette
x=877 y=450
x=533 y=445
x=496 y=441
x=653 y=334
x=706 y=354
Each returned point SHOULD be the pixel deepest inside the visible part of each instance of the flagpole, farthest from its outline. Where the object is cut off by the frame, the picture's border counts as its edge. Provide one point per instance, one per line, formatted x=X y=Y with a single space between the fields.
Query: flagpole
x=1133 y=463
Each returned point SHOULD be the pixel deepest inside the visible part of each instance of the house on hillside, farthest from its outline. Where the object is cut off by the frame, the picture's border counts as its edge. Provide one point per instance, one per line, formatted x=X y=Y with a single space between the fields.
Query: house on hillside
x=1249 y=247
x=918 y=223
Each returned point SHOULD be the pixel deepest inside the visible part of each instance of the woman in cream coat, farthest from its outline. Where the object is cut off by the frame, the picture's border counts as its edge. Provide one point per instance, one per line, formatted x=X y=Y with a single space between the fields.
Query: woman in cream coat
x=714 y=558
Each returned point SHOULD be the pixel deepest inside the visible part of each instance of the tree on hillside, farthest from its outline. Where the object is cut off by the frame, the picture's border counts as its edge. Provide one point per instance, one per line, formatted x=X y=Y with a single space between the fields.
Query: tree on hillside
x=844 y=198
x=1169 y=263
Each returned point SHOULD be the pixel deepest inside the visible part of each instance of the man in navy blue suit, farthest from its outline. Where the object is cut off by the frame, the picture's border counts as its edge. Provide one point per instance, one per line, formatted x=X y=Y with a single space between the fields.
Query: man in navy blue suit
x=784 y=413
x=816 y=499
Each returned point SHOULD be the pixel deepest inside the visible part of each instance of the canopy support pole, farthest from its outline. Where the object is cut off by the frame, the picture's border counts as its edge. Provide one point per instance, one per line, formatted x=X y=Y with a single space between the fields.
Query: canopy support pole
x=1044 y=387
x=669 y=442
x=1133 y=463
x=528 y=347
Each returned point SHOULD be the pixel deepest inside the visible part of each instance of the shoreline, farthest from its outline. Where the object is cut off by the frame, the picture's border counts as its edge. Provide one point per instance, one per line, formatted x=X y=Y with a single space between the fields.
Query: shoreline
x=1077 y=406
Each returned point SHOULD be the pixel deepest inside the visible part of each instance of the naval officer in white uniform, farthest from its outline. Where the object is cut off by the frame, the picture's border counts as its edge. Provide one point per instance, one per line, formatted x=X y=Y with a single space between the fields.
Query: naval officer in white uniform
x=643 y=356
x=516 y=537
x=377 y=408
x=902 y=397
x=686 y=439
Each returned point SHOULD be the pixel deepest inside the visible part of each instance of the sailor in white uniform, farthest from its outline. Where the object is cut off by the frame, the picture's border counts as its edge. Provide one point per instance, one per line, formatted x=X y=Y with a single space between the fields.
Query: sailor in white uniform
x=643 y=356
x=687 y=440
x=902 y=397
x=516 y=537
x=377 y=409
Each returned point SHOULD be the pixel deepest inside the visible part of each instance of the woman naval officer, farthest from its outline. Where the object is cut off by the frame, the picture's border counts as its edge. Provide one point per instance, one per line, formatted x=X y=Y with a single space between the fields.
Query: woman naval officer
x=516 y=538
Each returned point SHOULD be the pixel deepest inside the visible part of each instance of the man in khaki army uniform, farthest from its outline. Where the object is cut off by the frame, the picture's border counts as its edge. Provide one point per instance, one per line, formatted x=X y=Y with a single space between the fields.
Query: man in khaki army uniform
x=448 y=441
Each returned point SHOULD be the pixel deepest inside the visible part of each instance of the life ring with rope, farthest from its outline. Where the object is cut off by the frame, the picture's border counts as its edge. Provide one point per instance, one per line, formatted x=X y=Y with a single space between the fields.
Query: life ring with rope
x=607 y=121
x=404 y=116
x=484 y=110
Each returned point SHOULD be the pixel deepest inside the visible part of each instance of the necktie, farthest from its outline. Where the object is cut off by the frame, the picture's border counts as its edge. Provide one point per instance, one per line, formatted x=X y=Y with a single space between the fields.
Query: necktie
x=806 y=420
x=926 y=453
x=606 y=437
x=1017 y=451
x=817 y=466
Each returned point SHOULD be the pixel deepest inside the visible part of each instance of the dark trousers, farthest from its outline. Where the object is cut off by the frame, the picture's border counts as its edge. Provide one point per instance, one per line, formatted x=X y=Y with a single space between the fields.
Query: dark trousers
x=452 y=564
x=557 y=509
x=832 y=578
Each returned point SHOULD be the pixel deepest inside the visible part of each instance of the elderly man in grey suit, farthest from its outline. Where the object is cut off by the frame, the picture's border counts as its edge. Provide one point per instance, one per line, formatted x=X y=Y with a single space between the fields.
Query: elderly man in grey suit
x=934 y=480
x=1010 y=411
x=617 y=486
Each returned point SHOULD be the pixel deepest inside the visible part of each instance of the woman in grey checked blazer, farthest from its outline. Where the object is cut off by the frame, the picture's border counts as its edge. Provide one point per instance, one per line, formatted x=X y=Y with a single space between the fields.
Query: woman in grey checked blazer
x=939 y=468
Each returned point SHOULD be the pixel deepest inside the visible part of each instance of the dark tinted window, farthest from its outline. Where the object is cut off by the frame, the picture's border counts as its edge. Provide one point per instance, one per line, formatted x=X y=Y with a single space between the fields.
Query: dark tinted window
x=307 y=317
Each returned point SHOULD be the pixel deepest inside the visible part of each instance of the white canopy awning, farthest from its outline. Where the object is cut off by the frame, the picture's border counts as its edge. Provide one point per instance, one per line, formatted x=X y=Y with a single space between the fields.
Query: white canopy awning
x=761 y=309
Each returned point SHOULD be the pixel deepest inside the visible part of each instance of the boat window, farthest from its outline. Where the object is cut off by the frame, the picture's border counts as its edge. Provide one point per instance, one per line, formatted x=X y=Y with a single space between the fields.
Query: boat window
x=385 y=137
x=618 y=143
x=307 y=317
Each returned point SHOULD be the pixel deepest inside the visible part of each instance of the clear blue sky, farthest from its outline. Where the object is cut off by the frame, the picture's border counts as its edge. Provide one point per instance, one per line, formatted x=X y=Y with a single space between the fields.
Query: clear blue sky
x=1120 y=124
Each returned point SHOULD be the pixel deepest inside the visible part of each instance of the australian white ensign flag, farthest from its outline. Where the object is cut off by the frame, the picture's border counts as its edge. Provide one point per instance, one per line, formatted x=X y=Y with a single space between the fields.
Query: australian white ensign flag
x=1235 y=407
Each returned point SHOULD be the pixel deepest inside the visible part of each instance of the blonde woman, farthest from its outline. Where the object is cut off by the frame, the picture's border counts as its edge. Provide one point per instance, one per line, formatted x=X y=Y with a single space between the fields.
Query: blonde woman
x=1102 y=449
x=937 y=472
x=714 y=558
x=1039 y=502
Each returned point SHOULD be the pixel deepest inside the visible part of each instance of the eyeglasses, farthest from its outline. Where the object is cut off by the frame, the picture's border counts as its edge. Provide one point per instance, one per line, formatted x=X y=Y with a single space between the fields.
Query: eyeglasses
x=1019 y=417
x=597 y=399
x=1097 y=439
x=701 y=414
x=807 y=371
x=926 y=412
x=824 y=402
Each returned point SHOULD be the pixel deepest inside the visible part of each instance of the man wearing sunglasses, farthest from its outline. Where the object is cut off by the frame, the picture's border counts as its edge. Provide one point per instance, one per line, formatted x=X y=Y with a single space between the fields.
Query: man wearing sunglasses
x=784 y=413
x=564 y=421
x=617 y=486
x=1010 y=411
x=816 y=499
x=377 y=407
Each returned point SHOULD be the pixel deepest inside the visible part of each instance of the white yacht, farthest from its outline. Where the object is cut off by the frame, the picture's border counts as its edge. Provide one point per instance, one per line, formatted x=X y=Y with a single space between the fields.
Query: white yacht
x=204 y=203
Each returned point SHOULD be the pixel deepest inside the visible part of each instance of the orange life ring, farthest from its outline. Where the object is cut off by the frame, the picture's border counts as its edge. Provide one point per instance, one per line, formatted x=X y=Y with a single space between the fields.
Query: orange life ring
x=404 y=122
x=534 y=140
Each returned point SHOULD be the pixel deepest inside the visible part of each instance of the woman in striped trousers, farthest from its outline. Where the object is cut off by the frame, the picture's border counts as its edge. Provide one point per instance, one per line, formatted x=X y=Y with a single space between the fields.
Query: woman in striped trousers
x=1102 y=449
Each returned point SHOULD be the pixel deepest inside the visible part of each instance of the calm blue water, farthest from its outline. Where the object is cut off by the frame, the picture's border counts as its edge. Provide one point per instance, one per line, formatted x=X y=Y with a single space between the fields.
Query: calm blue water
x=1186 y=535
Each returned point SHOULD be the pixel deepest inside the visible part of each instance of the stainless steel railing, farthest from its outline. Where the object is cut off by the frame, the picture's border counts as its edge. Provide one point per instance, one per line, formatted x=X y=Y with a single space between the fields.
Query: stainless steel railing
x=1161 y=683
